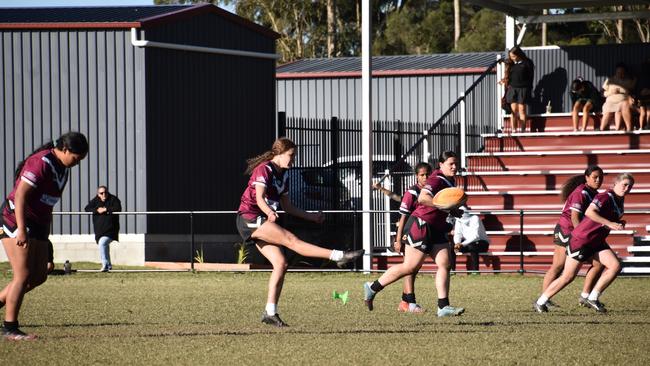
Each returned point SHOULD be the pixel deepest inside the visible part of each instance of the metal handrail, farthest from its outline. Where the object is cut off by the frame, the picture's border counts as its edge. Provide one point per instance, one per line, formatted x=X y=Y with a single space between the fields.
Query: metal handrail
x=441 y=119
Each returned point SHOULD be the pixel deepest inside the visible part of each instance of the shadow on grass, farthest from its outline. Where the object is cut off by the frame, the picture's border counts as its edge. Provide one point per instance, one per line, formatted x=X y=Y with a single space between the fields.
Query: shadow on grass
x=265 y=332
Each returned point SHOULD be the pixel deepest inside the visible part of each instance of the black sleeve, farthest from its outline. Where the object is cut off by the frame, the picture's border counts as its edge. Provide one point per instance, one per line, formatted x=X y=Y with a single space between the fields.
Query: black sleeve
x=91 y=206
x=114 y=205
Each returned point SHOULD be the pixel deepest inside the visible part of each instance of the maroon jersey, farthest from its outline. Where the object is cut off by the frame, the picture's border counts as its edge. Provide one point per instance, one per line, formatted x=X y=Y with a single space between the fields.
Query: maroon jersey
x=431 y=215
x=276 y=183
x=589 y=232
x=409 y=200
x=48 y=177
x=577 y=201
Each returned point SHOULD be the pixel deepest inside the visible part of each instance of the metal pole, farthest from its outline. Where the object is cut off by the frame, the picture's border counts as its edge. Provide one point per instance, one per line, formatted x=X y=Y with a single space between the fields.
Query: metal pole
x=387 y=199
x=463 y=132
x=355 y=246
x=192 y=240
x=500 y=93
x=425 y=147
x=521 y=241
x=366 y=129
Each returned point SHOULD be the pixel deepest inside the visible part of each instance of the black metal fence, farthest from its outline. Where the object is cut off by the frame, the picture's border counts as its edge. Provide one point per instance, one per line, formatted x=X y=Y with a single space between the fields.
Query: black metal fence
x=327 y=170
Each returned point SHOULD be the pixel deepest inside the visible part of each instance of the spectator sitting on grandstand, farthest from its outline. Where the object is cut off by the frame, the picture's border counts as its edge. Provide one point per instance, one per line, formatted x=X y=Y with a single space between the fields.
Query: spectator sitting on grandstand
x=584 y=97
x=617 y=89
x=469 y=236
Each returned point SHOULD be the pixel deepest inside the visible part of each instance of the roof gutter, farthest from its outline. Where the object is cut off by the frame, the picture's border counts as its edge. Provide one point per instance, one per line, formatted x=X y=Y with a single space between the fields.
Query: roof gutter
x=183 y=47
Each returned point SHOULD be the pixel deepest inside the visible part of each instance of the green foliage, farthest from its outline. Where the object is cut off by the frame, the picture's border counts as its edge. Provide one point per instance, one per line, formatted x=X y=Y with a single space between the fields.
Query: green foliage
x=198 y=257
x=214 y=318
x=481 y=35
x=242 y=252
x=413 y=26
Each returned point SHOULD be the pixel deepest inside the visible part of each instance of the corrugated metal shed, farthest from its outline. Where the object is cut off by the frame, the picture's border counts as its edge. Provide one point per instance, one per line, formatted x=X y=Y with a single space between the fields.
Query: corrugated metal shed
x=422 y=64
x=162 y=123
x=93 y=14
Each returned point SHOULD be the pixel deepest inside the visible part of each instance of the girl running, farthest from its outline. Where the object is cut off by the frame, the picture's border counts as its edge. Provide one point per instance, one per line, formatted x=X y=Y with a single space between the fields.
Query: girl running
x=26 y=217
x=425 y=233
x=578 y=192
x=408 y=204
x=588 y=241
x=267 y=189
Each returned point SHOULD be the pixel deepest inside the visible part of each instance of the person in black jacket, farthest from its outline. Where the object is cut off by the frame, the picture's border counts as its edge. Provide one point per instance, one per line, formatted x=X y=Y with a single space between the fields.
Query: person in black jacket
x=520 y=84
x=106 y=225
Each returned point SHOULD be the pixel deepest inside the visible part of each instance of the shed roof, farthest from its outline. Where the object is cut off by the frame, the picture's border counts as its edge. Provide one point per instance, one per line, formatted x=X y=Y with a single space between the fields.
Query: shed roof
x=443 y=63
x=113 y=17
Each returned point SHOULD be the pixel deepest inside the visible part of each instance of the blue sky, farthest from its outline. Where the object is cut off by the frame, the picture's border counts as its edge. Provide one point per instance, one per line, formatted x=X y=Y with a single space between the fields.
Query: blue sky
x=46 y=3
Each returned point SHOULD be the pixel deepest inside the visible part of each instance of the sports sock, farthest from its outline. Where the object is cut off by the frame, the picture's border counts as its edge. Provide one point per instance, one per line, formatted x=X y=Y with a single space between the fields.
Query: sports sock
x=376 y=286
x=410 y=298
x=584 y=295
x=593 y=296
x=542 y=300
x=443 y=302
x=10 y=325
x=336 y=255
x=271 y=309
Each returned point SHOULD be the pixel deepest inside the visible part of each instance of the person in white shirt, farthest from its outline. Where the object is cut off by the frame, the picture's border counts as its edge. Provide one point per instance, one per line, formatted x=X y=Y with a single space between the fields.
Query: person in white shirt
x=469 y=235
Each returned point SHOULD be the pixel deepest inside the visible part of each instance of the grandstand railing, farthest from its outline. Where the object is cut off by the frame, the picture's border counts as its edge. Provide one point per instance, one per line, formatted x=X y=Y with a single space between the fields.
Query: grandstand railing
x=355 y=223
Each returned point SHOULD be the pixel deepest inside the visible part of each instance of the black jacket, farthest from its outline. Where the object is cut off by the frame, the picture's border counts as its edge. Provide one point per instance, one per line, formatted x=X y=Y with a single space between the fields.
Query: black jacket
x=105 y=224
x=521 y=74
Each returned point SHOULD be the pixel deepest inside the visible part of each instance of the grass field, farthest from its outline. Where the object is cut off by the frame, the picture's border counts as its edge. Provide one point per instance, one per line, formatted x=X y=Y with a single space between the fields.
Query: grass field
x=214 y=318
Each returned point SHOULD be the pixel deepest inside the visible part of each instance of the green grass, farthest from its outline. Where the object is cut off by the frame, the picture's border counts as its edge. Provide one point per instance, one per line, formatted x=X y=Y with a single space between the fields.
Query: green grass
x=214 y=318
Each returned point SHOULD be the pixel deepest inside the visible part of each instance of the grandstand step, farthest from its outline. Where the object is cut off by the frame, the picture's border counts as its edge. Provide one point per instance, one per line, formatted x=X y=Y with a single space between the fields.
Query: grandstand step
x=606 y=140
x=538 y=179
x=534 y=221
x=571 y=160
x=556 y=122
x=539 y=200
x=639 y=249
x=636 y=270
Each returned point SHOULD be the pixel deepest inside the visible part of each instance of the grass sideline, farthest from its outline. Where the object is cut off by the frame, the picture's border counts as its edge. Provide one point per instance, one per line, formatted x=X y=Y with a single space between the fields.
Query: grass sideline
x=214 y=318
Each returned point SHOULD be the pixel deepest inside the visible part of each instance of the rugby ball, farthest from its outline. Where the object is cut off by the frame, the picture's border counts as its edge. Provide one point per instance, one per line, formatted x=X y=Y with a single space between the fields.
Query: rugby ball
x=449 y=198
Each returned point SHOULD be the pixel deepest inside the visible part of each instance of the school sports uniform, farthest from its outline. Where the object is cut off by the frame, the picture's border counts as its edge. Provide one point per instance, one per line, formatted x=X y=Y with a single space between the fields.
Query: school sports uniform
x=577 y=201
x=48 y=178
x=428 y=226
x=250 y=215
x=409 y=200
x=589 y=236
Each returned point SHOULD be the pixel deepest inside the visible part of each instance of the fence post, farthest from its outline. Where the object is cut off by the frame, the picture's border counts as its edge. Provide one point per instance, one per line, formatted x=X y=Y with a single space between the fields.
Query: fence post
x=463 y=132
x=192 y=240
x=500 y=90
x=425 y=147
x=334 y=138
x=354 y=235
x=282 y=124
x=387 y=185
x=521 y=241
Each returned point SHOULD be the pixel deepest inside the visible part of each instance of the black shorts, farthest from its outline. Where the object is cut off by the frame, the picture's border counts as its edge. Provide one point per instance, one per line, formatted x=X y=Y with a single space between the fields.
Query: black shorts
x=518 y=95
x=50 y=251
x=246 y=227
x=419 y=235
x=585 y=252
x=560 y=238
x=34 y=231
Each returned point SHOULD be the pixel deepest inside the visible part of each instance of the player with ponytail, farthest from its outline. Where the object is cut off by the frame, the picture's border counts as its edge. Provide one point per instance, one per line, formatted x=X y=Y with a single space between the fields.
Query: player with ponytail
x=577 y=192
x=267 y=190
x=26 y=215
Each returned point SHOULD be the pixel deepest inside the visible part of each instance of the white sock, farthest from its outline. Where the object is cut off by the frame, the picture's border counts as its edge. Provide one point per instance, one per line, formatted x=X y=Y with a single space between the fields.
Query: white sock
x=271 y=309
x=336 y=255
x=542 y=300
x=593 y=296
x=584 y=295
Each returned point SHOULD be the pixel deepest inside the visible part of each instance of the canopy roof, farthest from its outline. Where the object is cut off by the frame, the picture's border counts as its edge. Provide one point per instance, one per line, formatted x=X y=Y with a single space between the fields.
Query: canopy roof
x=530 y=7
